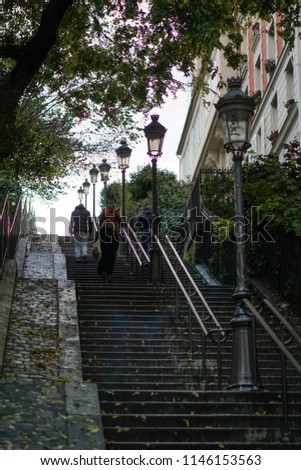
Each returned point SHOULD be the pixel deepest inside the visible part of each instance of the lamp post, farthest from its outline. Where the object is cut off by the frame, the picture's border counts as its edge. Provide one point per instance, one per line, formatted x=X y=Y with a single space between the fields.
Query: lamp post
x=104 y=169
x=93 y=175
x=86 y=188
x=123 y=158
x=235 y=110
x=154 y=133
x=80 y=193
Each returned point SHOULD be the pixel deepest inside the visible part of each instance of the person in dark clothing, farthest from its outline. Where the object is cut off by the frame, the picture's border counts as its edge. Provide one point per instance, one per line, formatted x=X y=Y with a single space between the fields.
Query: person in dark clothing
x=144 y=226
x=80 y=227
x=109 y=242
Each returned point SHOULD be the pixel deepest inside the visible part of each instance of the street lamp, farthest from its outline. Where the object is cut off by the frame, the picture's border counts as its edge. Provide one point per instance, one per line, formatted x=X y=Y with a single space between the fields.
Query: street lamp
x=123 y=158
x=104 y=169
x=155 y=132
x=80 y=193
x=93 y=175
x=86 y=188
x=235 y=110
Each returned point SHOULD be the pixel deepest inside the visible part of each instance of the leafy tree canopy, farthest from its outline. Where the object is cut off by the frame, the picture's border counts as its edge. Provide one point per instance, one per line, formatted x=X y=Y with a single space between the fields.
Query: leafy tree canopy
x=140 y=184
x=107 y=60
x=44 y=147
x=114 y=57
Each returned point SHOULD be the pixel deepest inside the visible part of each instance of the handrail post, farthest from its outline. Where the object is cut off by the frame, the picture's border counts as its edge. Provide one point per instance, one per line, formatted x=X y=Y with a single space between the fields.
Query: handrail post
x=204 y=354
x=177 y=302
x=219 y=364
x=285 y=436
x=190 y=324
x=256 y=375
x=168 y=282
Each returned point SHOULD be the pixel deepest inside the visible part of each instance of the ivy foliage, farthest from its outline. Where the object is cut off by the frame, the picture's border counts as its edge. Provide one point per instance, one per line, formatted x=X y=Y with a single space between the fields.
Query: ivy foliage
x=271 y=189
x=274 y=186
x=217 y=191
x=271 y=185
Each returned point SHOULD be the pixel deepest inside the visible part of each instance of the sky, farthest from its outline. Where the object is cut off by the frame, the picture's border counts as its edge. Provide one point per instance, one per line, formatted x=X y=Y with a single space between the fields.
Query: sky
x=53 y=216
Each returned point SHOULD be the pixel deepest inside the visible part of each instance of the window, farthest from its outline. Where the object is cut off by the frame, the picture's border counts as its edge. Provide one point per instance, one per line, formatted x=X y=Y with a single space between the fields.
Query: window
x=271 y=42
x=258 y=142
x=196 y=132
x=274 y=115
x=257 y=74
x=289 y=78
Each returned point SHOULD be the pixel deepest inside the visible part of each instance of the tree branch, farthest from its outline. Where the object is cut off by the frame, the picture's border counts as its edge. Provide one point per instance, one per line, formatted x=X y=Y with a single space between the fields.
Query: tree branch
x=33 y=55
x=36 y=50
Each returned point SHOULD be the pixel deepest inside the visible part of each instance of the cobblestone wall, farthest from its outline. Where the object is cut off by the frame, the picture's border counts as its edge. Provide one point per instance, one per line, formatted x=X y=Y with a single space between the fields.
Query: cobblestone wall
x=32 y=347
x=43 y=402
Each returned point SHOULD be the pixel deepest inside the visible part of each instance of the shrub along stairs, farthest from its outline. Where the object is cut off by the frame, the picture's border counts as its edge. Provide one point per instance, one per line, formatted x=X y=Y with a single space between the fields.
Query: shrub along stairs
x=150 y=374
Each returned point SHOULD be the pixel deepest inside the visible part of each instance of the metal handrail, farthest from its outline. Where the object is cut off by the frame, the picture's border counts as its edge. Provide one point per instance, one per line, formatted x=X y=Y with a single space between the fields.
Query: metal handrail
x=4 y=231
x=204 y=329
x=194 y=284
x=283 y=321
x=138 y=242
x=222 y=332
x=274 y=337
x=284 y=354
x=132 y=246
x=11 y=228
x=14 y=226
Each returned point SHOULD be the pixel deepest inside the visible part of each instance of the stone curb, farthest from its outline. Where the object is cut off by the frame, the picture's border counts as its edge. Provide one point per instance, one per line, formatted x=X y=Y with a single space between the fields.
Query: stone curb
x=6 y=296
x=20 y=255
x=70 y=354
x=85 y=429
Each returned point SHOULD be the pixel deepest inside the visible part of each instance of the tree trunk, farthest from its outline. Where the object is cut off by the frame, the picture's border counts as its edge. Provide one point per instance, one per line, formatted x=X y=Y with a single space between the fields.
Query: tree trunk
x=33 y=55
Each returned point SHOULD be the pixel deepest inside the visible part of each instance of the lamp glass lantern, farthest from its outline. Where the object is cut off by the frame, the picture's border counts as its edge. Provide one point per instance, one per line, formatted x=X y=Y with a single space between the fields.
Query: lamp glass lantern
x=123 y=155
x=236 y=109
x=154 y=133
x=86 y=186
x=80 y=193
x=104 y=169
x=94 y=174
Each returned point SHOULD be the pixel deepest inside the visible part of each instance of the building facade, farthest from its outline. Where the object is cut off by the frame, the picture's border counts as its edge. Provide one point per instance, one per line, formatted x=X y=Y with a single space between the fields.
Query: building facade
x=271 y=72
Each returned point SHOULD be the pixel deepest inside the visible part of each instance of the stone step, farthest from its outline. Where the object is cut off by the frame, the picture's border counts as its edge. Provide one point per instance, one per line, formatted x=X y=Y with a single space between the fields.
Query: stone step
x=169 y=383
x=178 y=360
x=184 y=433
x=196 y=420
x=188 y=384
x=235 y=400
x=204 y=445
x=149 y=372
x=136 y=349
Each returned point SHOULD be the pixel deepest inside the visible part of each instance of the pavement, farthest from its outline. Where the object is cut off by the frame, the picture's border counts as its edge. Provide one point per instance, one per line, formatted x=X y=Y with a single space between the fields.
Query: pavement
x=44 y=401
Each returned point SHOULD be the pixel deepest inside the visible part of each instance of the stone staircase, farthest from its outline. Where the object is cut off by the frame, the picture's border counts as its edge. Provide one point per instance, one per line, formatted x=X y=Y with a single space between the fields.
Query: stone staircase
x=150 y=377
